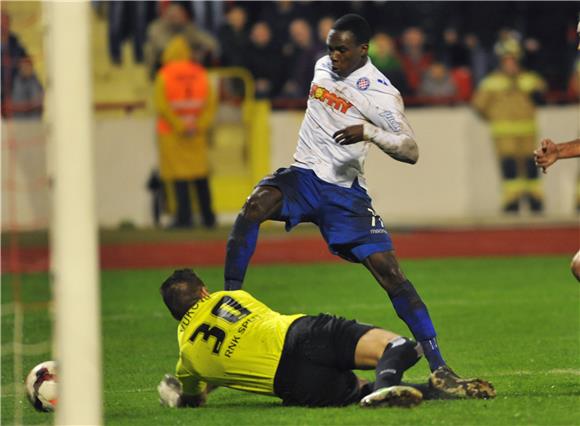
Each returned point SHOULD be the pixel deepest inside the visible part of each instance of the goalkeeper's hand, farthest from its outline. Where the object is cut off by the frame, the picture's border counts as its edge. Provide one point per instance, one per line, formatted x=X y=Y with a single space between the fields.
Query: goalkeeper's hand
x=170 y=391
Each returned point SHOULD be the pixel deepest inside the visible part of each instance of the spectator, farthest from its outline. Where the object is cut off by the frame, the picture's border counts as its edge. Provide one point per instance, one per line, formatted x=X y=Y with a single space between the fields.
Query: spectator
x=414 y=57
x=128 y=20
x=262 y=61
x=507 y=43
x=506 y=99
x=453 y=54
x=300 y=57
x=324 y=26
x=233 y=38
x=176 y=20
x=12 y=52
x=185 y=110
x=437 y=82
x=279 y=15
x=384 y=56
x=208 y=15
x=533 y=58
x=479 y=59
x=27 y=93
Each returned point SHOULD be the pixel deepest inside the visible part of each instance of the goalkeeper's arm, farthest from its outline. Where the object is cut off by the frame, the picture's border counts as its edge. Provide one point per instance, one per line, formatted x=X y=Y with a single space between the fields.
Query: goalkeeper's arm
x=171 y=394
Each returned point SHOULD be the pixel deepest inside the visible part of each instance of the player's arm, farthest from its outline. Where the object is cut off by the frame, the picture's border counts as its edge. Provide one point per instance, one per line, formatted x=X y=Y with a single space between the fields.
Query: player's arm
x=184 y=390
x=172 y=393
x=549 y=152
x=399 y=145
x=386 y=127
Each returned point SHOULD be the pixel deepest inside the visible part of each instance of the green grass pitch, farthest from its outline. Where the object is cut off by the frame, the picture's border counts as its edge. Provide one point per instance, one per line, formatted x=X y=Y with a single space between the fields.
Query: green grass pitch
x=514 y=321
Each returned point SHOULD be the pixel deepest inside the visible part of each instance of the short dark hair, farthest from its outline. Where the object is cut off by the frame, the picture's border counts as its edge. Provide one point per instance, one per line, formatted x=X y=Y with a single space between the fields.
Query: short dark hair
x=356 y=24
x=181 y=291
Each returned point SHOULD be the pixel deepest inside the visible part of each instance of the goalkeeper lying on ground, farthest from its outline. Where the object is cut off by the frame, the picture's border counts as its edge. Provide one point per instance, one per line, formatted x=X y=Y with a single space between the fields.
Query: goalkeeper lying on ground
x=230 y=339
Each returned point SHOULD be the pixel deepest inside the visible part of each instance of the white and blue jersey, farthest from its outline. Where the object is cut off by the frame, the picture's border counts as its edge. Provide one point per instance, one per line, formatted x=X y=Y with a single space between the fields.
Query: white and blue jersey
x=325 y=184
x=334 y=103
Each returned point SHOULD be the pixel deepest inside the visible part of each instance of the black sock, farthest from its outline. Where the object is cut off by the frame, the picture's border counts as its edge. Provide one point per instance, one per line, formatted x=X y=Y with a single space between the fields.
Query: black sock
x=399 y=355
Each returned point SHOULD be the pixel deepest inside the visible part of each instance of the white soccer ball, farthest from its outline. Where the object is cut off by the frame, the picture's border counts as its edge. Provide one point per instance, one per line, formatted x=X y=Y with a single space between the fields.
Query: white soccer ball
x=41 y=386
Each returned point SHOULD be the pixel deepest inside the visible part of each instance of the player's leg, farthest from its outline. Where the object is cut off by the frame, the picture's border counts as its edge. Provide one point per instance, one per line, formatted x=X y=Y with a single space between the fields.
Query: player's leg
x=320 y=353
x=407 y=303
x=354 y=231
x=264 y=203
x=411 y=309
x=391 y=356
x=290 y=195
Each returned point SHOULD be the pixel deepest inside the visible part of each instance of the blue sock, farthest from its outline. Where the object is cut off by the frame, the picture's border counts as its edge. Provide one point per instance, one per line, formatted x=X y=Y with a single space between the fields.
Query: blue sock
x=240 y=248
x=432 y=353
x=411 y=309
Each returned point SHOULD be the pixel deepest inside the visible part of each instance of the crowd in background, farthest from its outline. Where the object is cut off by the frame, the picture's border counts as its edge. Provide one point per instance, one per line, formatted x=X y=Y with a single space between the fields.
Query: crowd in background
x=427 y=49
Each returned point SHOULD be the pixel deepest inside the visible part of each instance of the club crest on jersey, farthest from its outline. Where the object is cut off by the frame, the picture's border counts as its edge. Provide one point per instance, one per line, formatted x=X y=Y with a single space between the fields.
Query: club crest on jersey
x=363 y=83
x=331 y=99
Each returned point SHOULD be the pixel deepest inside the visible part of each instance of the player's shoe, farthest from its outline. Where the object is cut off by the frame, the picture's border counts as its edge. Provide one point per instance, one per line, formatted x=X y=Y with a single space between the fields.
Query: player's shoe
x=393 y=396
x=445 y=380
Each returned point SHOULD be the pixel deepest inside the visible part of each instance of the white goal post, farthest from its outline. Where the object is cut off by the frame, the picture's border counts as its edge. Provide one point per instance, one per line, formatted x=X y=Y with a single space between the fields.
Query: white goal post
x=74 y=245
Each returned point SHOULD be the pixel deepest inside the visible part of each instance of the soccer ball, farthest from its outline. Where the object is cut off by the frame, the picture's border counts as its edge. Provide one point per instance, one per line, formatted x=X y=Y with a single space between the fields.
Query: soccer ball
x=41 y=386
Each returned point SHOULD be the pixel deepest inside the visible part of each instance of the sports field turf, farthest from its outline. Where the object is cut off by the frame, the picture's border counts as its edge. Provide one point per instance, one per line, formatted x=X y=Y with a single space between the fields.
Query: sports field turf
x=514 y=321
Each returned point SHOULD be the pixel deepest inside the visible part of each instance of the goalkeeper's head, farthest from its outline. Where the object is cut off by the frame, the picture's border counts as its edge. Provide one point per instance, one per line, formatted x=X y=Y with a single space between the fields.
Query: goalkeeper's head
x=181 y=291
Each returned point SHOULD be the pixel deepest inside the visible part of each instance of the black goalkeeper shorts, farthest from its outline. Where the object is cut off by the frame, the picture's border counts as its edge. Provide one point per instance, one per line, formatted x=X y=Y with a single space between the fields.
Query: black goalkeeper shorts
x=316 y=362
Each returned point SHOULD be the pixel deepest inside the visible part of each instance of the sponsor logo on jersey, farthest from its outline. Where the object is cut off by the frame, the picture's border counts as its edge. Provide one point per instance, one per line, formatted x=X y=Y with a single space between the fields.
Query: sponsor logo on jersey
x=363 y=83
x=331 y=99
x=380 y=80
x=391 y=121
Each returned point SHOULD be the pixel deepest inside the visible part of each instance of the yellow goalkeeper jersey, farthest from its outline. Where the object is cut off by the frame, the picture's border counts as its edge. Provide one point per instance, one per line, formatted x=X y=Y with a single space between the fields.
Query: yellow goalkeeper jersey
x=231 y=339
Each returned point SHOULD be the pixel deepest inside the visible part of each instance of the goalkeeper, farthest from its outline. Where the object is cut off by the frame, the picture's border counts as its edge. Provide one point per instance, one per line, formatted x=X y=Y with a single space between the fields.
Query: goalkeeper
x=230 y=339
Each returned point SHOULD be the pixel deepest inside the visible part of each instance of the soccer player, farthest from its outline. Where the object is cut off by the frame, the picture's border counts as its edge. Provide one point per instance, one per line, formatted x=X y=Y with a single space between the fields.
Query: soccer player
x=351 y=106
x=546 y=155
x=230 y=339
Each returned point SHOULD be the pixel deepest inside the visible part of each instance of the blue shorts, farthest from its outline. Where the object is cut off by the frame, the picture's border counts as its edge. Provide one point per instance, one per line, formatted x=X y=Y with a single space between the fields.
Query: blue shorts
x=345 y=216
